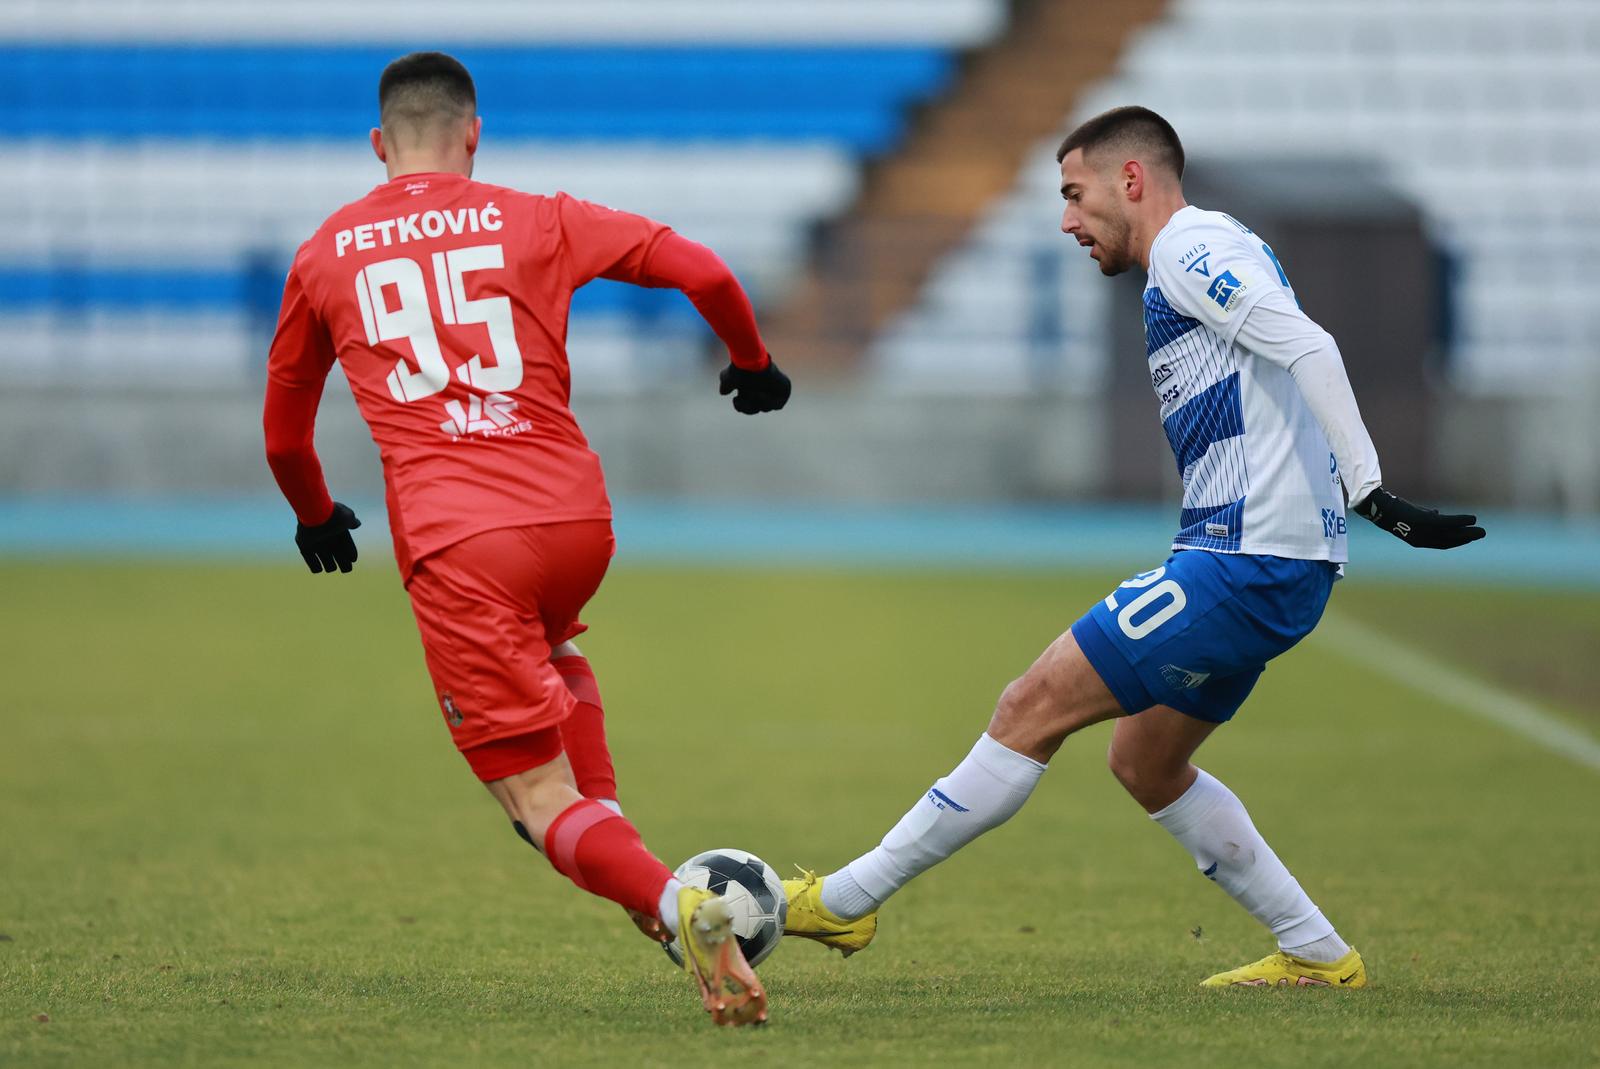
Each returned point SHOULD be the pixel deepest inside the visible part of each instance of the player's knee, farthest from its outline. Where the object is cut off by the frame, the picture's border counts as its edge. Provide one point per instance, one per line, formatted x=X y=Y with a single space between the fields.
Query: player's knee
x=533 y=796
x=1149 y=785
x=541 y=793
x=1028 y=720
x=1126 y=770
x=1021 y=703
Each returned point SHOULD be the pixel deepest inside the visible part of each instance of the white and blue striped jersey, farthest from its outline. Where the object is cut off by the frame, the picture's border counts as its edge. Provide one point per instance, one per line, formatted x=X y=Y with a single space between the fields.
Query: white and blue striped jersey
x=1258 y=473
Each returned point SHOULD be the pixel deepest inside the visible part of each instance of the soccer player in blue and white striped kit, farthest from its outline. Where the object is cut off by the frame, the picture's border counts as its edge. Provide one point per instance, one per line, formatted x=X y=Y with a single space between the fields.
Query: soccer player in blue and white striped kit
x=1262 y=420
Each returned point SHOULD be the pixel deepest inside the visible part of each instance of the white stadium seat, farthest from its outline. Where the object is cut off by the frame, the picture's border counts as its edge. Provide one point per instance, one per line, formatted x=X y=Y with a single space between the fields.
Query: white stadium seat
x=1485 y=112
x=156 y=171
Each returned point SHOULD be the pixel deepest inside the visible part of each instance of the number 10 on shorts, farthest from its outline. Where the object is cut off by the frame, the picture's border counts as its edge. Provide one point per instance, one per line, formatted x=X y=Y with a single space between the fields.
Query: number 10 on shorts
x=1162 y=596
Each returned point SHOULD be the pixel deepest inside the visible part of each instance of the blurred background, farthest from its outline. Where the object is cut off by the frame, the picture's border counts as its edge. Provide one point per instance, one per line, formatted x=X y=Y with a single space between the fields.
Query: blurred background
x=881 y=176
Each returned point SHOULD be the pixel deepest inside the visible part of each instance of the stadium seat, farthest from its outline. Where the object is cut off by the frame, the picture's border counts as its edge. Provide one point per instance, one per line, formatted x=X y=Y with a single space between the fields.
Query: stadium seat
x=1484 y=111
x=166 y=157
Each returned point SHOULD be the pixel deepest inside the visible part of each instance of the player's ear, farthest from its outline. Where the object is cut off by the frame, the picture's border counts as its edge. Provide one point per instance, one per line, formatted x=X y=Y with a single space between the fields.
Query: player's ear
x=1133 y=179
x=474 y=132
x=377 y=145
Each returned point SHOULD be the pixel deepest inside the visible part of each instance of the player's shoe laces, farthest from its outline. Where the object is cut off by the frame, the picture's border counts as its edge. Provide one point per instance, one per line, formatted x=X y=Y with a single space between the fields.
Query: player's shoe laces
x=732 y=994
x=1285 y=970
x=810 y=919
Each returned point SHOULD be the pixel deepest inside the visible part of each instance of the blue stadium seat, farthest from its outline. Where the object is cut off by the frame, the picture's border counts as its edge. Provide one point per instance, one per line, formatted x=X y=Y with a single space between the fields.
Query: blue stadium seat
x=164 y=165
x=851 y=95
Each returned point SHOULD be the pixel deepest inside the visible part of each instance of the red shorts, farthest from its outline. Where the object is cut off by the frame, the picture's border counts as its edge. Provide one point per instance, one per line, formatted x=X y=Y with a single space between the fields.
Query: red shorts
x=490 y=609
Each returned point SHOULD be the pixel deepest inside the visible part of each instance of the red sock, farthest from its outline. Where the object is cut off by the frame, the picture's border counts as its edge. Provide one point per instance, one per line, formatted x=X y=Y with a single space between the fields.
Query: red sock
x=603 y=854
x=583 y=734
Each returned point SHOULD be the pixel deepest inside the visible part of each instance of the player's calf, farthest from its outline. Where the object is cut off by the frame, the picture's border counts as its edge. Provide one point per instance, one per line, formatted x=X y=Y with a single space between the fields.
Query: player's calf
x=583 y=732
x=1210 y=822
x=583 y=840
x=1058 y=695
x=600 y=850
x=1152 y=788
x=1150 y=755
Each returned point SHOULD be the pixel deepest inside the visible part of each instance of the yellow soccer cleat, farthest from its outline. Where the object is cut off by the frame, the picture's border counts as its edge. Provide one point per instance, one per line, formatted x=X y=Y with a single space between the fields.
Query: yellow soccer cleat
x=809 y=919
x=1285 y=970
x=732 y=994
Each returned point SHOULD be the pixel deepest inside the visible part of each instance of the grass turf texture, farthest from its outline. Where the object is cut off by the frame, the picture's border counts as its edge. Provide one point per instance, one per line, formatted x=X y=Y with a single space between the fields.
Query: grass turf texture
x=234 y=831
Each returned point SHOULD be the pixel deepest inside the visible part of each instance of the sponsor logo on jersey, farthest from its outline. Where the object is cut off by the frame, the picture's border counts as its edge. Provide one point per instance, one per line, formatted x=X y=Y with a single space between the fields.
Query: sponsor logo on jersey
x=1225 y=290
x=1195 y=260
x=1183 y=678
x=451 y=712
x=1333 y=525
x=489 y=416
x=1161 y=374
x=1217 y=530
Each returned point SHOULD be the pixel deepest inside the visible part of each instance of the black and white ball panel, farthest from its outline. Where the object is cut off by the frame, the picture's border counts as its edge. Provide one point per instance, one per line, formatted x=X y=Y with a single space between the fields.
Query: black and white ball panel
x=753 y=891
x=727 y=866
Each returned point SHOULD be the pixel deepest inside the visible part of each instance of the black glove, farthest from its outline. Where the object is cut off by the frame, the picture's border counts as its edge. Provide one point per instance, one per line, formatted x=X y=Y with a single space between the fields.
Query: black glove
x=329 y=544
x=1421 y=527
x=766 y=390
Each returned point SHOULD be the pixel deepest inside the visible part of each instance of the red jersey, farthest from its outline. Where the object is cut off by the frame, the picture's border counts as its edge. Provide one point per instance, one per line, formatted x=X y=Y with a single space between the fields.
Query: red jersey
x=445 y=302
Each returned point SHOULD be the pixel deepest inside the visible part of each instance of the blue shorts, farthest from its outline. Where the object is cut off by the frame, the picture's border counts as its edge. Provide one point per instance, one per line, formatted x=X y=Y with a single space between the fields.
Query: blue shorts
x=1197 y=632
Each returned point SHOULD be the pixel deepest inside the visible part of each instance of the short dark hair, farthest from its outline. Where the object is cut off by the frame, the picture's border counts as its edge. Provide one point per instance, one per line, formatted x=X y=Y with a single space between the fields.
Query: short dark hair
x=425 y=87
x=1129 y=128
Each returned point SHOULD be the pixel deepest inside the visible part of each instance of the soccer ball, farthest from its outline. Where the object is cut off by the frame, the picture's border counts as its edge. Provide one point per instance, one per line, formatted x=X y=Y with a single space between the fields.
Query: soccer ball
x=751 y=888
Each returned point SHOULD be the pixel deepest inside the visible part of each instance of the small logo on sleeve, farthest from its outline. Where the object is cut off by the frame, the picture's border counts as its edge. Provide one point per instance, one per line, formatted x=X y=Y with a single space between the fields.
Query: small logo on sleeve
x=1195 y=260
x=1225 y=290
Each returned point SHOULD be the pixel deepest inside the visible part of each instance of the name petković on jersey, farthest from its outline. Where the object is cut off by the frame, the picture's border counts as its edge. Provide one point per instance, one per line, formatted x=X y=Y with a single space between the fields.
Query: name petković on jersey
x=1254 y=462
x=418 y=226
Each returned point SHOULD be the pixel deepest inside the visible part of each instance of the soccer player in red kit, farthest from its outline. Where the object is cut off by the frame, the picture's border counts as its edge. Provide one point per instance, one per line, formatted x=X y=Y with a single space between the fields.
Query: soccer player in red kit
x=445 y=302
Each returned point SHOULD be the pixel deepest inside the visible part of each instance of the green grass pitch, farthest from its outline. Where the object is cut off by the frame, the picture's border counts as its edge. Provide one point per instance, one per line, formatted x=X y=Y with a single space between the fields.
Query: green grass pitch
x=232 y=831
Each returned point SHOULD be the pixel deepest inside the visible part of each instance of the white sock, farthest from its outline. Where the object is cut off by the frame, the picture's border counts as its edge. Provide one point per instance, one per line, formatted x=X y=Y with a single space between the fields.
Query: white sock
x=843 y=897
x=1324 y=951
x=983 y=792
x=611 y=804
x=1211 y=823
x=667 y=908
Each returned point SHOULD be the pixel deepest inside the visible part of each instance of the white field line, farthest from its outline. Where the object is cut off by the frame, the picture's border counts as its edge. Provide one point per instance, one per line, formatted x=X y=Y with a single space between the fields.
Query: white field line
x=1435 y=679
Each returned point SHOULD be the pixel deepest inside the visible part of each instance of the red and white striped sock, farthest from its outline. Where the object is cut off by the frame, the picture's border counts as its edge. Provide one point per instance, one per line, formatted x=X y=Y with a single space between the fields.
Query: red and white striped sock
x=583 y=734
x=602 y=853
